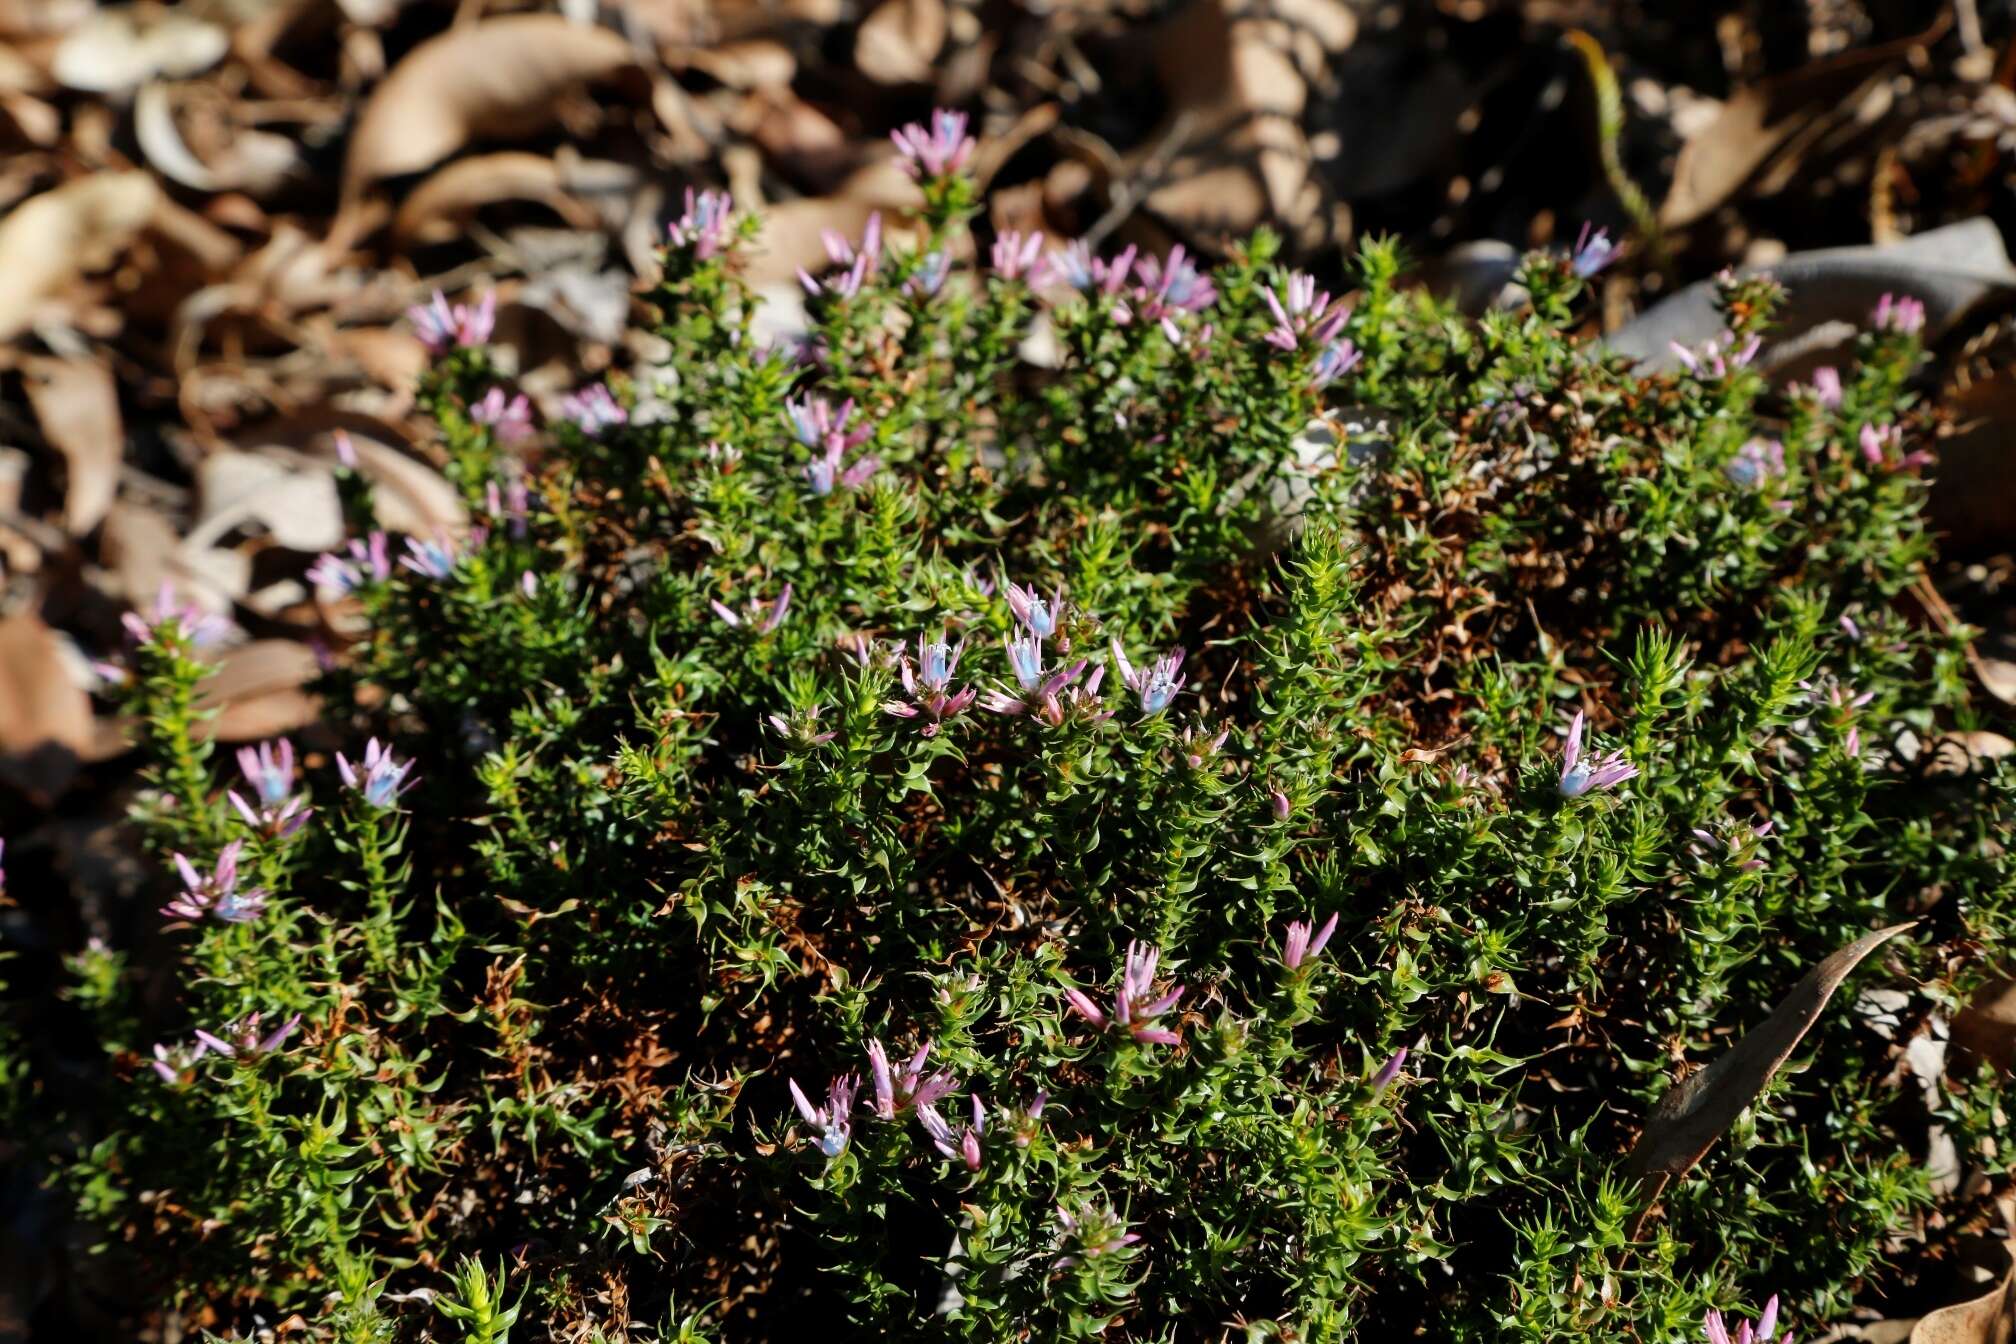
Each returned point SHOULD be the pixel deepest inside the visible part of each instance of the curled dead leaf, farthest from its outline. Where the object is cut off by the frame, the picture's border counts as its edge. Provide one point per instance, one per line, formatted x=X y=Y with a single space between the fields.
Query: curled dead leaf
x=440 y=208
x=1684 y=1124
x=45 y=716
x=257 y=689
x=900 y=41
x=50 y=240
x=77 y=406
x=122 y=47
x=500 y=77
x=1988 y=1319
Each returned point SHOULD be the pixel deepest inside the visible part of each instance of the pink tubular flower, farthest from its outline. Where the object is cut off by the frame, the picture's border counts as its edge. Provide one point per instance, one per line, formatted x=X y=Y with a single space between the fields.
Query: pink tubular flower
x=434 y=559
x=1090 y=1233
x=1308 y=313
x=859 y=264
x=1579 y=776
x=1593 y=251
x=592 y=409
x=1880 y=444
x=913 y=1088
x=1756 y=462
x=1827 y=386
x=1739 y=849
x=834 y=1120
x=1154 y=686
x=510 y=420
x=1057 y=698
x=379 y=779
x=215 y=893
x=1899 y=315
x=1039 y=615
x=707 y=225
x=1299 y=947
x=245 y=1043
x=962 y=1144
x=1019 y=256
x=1717 y=1330
x=198 y=626
x=928 y=683
x=1134 y=1011
x=937 y=152
x=801 y=728
x=755 y=618
x=369 y=560
x=442 y=327
x=269 y=769
x=1172 y=285
x=1389 y=1071
x=1337 y=359
x=1719 y=356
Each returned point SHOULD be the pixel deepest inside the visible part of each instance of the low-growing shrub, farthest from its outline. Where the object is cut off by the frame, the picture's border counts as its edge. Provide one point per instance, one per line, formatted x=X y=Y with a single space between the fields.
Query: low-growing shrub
x=1084 y=797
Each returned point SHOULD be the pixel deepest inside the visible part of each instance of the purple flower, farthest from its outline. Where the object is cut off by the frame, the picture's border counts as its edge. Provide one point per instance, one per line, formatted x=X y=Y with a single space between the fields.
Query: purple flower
x=198 y=626
x=431 y=559
x=756 y=619
x=1579 y=776
x=1076 y=265
x=1756 y=462
x=1389 y=1071
x=1134 y=1010
x=593 y=409
x=1849 y=628
x=245 y=1043
x=1593 y=251
x=1299 y=947
x=1900 y=315
x=380 y=779
x=859 y=263
x=912 y=1088
x=1719 y=356
x=1030 y=1122
x=1039 y=616
x=1025 y=660
x=1057 y=698
x=928 y=683
x=510 y=420
x=802 y=727
x=269 y=769
x=1090 y=1233
x=834 y=1120
x=1827 y=386
x=171 y=1062
x=369 y=560
x=1019 y=256
x=962 y=1144
x=1156 y=685
x=706 y=225
x=1307 y=313
x=929 y=277
x=941 y=150
x=1172 y=286
x=1880 y=444
x=817 y=423
x=442 y=327
x=1717 y=1330
x=509 y=504
x=1738 y=848
x=1338 y=358
x=215 y=893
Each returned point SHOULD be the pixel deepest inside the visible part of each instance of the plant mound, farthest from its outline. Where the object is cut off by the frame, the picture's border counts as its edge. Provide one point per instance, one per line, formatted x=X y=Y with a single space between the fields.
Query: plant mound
x=1077 y=797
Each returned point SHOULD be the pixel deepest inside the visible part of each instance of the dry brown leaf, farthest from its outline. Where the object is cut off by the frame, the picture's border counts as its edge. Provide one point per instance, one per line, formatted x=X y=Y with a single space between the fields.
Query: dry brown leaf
x=1966 y=753
x=1232 y=154
x=254 y=161
x=1772 y=116
x=136 y=544
x=258 y=688
x=298 y=509
x=759 y=63
x=1988 y=1319
x=45 y=717
x=1684 y=1124
x=120 y=48
x=49 y=240
x=440 y=208
x=899 y=42
x=77 y=405
x=498 y=78
x=1985 y=1030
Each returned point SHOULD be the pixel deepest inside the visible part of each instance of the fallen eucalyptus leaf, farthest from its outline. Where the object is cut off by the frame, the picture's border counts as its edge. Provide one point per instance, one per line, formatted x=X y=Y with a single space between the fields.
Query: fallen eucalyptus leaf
x=258 y=688
x=117 y=50
x=45 y=717
x=1684 y=1124
x=1985 y=1030
x=499 y=77
x=900 y=41
x=1988 y=1319
x=77 y=405
x=50 y=240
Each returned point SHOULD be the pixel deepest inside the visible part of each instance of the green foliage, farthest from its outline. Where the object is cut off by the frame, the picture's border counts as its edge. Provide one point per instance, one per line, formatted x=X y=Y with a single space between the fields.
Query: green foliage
x=673 y=842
